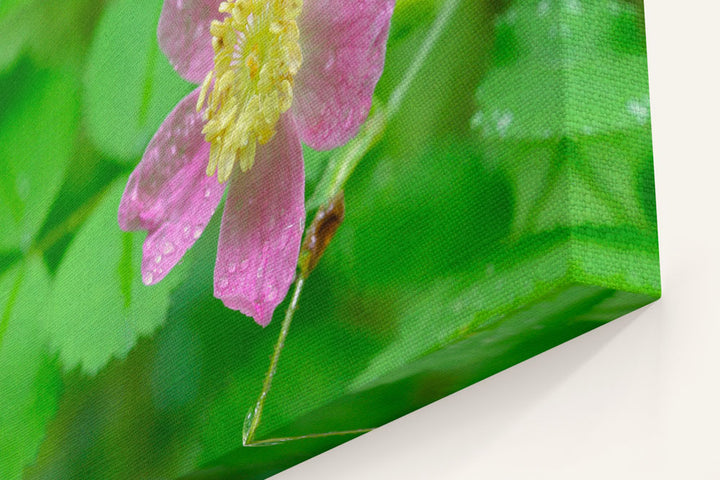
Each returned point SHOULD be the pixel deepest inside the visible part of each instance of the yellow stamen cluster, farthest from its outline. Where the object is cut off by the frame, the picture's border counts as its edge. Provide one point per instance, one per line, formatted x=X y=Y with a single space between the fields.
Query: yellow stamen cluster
x=257 y=54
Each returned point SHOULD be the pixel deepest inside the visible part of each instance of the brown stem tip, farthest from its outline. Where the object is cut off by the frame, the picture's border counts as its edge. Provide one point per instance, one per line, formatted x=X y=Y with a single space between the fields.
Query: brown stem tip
x=320 y=232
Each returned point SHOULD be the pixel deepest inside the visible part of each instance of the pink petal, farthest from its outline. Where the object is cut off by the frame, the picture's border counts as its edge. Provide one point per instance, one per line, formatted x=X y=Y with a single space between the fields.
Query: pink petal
x=343 y=44
x=262 y=227
x=169 y=194
x=184 y=35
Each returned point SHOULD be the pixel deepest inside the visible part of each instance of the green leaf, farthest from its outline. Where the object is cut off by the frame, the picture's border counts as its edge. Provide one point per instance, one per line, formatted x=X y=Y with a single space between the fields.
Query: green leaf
x=60 y=32
x=130 y=87
x=53 y=33
x=426 y=324
x=494 y=342
x=99 y=306
x=13 y=35
x=413 y=218
x=37 y=135
x=29 y=378
x=573 y=132
x=9 y=5
x=575 y=68
x=572 y=182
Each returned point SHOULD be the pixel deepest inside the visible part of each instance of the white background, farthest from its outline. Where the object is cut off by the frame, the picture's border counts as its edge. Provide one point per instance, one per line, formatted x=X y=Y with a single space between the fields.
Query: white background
x=637 y=398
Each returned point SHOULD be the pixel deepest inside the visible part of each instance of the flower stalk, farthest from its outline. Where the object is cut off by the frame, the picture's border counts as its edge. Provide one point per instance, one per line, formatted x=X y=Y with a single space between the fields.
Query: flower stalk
x=329 y=197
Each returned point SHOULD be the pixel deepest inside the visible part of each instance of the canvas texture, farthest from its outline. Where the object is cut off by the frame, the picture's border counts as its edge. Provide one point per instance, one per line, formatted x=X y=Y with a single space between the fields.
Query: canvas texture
x=450 y=188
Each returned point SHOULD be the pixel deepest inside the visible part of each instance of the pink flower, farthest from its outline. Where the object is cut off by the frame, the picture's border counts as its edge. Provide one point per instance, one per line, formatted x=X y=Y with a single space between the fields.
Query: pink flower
x=273 y=73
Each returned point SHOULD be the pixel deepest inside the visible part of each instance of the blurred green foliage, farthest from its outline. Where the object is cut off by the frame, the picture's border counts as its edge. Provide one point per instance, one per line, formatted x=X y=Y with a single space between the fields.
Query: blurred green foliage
x=29 y=376
x=99 y=305
x=40 y=115
x=129 y=85
x=520 y=155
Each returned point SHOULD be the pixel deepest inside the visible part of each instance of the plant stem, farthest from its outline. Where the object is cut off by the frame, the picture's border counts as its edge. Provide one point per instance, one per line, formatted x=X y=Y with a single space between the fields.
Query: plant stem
x=340 y=168
x=398 y=95
x=342 y=163
x=256 y=413
x=69 y=225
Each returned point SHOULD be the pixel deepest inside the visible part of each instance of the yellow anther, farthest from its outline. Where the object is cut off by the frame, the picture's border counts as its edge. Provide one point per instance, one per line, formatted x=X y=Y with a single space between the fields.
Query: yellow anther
x=257 y=55
x=252 y=62
x=204 y=90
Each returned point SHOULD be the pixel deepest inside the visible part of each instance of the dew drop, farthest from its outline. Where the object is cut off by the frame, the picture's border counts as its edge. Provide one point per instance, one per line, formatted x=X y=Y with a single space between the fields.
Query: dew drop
x=197 y=232
x=158 y=259
x=503 y=123
x=543 y=8
x=271 y=293
x=207 y=193
x=147 y=278
x=330 y=61
x=22 y=186
x=232 y=267
x=574 y=6
x=168 y=248
x=639 y=110
x=223 y=282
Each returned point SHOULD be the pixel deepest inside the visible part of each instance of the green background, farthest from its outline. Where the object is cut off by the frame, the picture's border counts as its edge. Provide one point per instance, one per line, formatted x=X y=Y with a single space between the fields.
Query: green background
x=507 y=207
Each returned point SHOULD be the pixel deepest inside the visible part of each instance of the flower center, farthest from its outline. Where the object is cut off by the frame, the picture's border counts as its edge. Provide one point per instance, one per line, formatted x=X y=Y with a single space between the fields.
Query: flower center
x=257 y=55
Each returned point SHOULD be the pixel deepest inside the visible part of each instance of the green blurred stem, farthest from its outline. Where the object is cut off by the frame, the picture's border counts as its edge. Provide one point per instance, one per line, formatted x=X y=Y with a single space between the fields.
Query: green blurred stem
x=342 y=163
x=339 y=169
x=5 y=318
x=70 y=224
x=256 y=414
x=398 y=95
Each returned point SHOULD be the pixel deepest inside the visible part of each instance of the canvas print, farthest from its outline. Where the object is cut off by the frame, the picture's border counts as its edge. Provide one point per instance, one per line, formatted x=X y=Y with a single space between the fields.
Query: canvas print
x=235 y=234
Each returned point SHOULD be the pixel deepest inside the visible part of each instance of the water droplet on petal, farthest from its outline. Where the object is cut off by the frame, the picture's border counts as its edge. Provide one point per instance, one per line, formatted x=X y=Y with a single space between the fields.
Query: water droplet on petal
x=271 y=293
x=158 y=259
x=330 y=61
x=147 y=278
x=207 y=193
x=168 y=248
x=223 y=283
x=197 y=232
x=232 y=267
